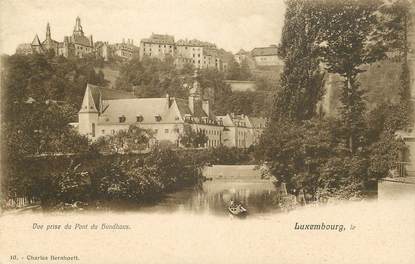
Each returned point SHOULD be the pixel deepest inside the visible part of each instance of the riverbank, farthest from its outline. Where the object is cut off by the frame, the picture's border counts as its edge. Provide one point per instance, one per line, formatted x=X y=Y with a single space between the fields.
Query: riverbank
x=385 y=227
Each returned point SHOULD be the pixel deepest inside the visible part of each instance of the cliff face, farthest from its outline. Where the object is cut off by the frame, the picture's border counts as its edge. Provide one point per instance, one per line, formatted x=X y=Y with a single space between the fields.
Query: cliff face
x=380 y=81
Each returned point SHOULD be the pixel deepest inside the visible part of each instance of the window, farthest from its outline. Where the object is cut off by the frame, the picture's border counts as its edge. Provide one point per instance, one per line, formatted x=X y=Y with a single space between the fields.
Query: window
x=122 y=119
x=158 y=118
x=166 y=131
x=140 y=118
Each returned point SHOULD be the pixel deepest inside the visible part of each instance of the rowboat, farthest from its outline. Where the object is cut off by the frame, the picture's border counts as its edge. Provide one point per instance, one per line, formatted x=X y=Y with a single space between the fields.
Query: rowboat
x=237 y=209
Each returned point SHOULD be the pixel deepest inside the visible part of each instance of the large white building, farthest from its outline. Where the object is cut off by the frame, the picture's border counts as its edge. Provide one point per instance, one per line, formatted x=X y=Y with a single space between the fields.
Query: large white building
x=106 y=111
x=200 y=54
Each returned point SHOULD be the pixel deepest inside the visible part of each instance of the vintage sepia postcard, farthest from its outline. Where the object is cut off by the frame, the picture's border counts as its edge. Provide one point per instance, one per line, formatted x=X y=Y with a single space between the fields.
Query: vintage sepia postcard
x=200 y=131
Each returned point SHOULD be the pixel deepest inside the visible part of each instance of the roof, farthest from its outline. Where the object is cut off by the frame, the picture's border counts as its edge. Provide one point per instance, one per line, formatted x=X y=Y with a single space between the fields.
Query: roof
x=50 y=41
x=195 y=42
x=82 y=40
x=265 y=51
x=36 y=41
x=99 y=93
x=148 y=108
x=183 y=106
x=159 y=39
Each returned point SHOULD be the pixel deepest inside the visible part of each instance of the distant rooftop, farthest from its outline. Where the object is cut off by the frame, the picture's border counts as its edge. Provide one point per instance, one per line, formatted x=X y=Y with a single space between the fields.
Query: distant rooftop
x=265 y=51
x=160 y=39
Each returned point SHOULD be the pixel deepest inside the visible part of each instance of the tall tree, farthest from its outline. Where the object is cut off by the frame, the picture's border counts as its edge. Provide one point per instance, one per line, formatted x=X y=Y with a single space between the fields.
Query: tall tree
x=301 y=80
x=396 y=26
x=349 y=40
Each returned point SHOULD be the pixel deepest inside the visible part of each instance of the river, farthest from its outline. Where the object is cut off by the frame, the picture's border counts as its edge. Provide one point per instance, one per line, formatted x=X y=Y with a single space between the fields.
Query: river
x=213 y=197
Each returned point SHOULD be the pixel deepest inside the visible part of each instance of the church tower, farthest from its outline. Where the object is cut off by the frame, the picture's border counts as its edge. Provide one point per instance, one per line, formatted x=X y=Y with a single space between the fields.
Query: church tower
x=195 y=95
x=78 y=28
x=88 y=114
x=48 y=35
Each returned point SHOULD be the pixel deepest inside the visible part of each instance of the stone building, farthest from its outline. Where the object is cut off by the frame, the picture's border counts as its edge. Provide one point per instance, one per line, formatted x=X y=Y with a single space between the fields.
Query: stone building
x=241 y=55
x=157 y=46
x=124 y=50
x=266 y=56
x=106 y=111
x=77 y=44
x=199 y=53
x=36 y=46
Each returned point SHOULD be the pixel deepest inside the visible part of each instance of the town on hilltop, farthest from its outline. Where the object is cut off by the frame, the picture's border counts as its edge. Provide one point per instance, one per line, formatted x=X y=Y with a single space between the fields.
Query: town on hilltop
x=201 y=54
x=105 y=111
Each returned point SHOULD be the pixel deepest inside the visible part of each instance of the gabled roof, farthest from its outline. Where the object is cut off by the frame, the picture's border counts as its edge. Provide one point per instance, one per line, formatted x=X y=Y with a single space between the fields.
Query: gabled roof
x=36 y=41
x=82 y=40
x=49 y=42
x=265 y=51
x=183 y=106
x=89 y=104
x=159 y=39
x=100 y=93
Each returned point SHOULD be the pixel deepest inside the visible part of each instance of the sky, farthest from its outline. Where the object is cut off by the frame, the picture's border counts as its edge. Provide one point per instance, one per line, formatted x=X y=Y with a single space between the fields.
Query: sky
x=230 y=24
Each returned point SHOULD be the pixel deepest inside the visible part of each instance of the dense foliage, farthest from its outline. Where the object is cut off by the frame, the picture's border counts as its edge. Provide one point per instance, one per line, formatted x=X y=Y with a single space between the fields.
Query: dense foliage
x=339 y=156
x=152 y=77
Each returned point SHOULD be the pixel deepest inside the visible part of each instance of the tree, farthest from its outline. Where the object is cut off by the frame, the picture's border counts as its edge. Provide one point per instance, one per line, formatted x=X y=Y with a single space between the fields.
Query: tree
x=193 y=139
x=301 y=80
x=344 y=51
x=124 y=141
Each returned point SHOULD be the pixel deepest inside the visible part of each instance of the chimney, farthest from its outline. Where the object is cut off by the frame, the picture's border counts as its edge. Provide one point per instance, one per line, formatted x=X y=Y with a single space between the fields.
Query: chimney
x=205 y=107
x=168 y=99
x=192 y=104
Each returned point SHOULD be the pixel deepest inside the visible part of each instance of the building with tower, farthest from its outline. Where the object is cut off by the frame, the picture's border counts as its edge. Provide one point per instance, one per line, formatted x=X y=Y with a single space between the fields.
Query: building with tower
x=77 y=44
x=36 y=46
x=106 y=111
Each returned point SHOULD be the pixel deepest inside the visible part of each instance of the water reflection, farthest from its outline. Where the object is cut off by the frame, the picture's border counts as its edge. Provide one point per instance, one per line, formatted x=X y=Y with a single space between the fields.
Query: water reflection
x=213 y=197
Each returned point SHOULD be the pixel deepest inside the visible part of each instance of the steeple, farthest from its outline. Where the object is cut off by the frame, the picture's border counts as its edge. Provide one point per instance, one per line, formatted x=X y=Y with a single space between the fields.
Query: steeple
x=195 y=95
x=78 y=28
x=195 y=90
x=88 y=103
x=48 y=35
